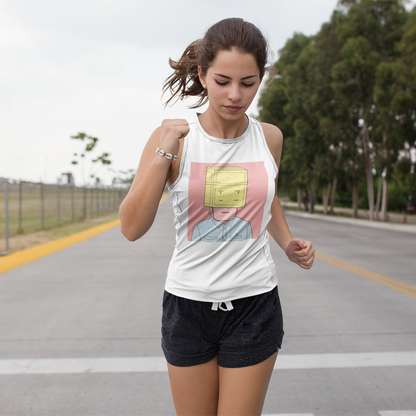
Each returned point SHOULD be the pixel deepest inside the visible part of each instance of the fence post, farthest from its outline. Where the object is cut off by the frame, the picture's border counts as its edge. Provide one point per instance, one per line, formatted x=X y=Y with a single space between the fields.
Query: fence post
x=6 y=212
x=20 y=227
x=91 y=203
x=84 y=200
x=97 y=200
x=42 y=208
x=72 y=203
x=109 y=200
x=58 y=202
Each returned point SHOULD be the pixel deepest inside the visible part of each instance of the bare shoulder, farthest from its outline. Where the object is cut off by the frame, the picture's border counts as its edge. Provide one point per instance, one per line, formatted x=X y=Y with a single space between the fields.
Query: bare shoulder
x=274 y=139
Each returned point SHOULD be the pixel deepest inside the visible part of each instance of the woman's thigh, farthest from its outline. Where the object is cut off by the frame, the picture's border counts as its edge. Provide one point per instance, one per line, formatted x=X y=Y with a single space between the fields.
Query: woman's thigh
x=195 y=388
x=242 y=390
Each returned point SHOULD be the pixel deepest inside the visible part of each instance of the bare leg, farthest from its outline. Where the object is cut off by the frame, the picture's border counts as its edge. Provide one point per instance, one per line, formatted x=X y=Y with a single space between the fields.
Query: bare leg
x=243 y=390
x=195 y=389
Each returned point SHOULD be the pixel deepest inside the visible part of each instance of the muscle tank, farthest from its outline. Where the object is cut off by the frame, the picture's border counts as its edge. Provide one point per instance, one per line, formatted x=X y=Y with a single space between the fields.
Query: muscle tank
x=222 y=205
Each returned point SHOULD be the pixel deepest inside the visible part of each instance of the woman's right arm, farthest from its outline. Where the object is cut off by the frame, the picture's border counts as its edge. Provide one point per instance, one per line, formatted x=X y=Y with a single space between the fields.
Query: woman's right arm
x=138 y=210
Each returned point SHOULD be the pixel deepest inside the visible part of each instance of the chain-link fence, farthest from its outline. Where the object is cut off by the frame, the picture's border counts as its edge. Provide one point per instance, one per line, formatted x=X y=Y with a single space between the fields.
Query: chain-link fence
x=27 y=207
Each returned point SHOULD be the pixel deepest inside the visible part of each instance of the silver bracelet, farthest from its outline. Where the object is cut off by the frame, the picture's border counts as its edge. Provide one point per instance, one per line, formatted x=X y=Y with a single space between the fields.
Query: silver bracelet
x=167 y=155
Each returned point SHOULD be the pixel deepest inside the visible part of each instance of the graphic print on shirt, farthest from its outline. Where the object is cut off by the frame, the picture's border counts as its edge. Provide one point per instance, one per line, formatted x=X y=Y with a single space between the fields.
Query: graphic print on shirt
x=223 y=203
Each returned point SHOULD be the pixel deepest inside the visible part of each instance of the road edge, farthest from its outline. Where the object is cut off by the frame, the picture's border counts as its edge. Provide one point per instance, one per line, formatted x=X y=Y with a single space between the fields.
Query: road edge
x=20 y=258
x=411 y=229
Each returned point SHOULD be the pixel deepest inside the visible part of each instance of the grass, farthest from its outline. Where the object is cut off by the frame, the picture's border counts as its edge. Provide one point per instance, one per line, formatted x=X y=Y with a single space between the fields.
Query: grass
x=24 y=241
x=61 y=207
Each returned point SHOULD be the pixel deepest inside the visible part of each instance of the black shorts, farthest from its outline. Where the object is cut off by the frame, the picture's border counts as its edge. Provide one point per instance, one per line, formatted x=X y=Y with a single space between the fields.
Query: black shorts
x=193 y=333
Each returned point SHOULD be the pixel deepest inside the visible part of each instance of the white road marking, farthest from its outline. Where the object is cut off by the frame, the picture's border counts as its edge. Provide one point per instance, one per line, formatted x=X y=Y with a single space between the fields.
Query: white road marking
x=397 y=413
x=348 y=360
x=290 y=414
x=84 y=365
x=381 y=413
x=158 y=364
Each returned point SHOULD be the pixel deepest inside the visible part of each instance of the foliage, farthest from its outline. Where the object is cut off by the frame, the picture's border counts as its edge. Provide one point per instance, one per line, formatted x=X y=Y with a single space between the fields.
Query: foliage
x=94 y=164
x=123 y=177
x=345 y=100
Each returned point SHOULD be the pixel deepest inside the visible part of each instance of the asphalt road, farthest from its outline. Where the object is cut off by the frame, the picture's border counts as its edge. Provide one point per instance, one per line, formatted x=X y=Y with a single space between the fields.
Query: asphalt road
x=80 y=329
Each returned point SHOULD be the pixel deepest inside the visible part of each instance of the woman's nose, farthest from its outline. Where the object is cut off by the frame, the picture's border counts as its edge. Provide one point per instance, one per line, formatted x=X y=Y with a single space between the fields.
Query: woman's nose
x=234 y=93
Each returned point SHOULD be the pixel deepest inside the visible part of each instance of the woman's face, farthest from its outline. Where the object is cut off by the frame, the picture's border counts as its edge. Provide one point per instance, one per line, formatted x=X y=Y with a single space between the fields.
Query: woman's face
x=232 y=82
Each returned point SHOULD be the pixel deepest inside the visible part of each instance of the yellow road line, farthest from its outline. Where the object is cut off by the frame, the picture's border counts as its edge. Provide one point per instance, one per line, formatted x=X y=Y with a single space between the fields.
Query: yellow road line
x=14 y=260
x=394 y=284
x=20 y=258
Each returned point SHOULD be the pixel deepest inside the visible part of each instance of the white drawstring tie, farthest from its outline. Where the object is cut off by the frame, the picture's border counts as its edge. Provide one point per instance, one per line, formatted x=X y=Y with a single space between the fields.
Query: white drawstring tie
x=228 y=306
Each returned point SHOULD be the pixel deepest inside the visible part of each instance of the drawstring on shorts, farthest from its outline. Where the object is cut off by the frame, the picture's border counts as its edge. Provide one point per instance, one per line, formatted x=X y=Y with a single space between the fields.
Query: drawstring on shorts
x=228 y=306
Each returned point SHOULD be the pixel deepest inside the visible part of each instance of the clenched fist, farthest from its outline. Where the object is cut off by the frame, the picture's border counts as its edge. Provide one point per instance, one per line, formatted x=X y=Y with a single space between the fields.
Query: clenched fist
x=172 y=132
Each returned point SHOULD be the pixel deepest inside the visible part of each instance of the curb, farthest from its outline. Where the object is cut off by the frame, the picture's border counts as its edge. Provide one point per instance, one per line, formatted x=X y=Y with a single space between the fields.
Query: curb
x=14 y=260
x=411 y=229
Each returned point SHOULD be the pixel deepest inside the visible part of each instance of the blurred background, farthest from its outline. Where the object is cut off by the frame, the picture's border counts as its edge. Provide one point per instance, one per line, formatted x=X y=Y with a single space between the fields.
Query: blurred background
x=97 y=66
x=81 y=83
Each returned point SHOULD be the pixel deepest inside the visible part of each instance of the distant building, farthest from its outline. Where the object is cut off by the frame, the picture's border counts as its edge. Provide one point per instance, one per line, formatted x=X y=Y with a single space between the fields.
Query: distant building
x=70 y=178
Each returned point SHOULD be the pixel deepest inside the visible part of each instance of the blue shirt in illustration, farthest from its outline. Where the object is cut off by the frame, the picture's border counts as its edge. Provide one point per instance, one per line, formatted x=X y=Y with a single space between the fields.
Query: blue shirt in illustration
x=212 y=231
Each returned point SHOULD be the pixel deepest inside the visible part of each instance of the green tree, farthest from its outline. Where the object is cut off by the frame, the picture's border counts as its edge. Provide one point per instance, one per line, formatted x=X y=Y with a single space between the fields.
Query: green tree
x=272 y=109
x=397 y=91
x=89 y=143
x=345 y=101
x=370 y=31
x=328 y=162
x=123 y=177
x=353 y=85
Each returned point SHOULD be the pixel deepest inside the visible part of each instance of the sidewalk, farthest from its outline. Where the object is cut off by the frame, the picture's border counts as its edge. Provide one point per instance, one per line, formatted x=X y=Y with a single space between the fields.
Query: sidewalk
x=405 y=228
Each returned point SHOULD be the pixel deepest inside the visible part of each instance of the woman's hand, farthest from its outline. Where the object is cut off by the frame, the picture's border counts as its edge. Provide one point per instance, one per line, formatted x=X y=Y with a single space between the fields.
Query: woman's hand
x=172 y=131
x=300 y=252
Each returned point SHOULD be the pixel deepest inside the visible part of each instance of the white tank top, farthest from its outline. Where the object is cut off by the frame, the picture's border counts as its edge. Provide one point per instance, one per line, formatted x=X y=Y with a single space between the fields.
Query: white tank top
x=222 y=201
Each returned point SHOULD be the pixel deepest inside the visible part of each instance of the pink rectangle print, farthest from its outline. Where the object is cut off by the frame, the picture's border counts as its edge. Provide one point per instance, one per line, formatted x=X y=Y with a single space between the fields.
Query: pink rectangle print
x=257 y=188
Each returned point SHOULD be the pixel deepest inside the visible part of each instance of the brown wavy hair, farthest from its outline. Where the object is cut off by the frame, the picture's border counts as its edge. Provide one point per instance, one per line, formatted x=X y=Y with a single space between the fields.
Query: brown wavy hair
x=223 y=36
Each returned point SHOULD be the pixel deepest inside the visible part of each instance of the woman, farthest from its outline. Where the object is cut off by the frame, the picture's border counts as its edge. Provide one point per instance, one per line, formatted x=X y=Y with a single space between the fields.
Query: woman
x=222 y=322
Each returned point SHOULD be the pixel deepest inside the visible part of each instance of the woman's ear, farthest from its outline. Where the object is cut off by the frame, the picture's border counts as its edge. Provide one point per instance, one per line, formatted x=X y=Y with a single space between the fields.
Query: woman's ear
x=201 y=76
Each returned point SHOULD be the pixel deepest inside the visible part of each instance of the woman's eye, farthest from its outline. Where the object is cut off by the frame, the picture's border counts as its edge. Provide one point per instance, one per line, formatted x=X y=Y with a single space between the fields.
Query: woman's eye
x=243 y=84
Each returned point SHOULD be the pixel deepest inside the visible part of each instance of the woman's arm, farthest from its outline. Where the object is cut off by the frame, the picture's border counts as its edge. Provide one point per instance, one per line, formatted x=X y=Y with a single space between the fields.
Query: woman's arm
x=138 y=210
x=297 y=250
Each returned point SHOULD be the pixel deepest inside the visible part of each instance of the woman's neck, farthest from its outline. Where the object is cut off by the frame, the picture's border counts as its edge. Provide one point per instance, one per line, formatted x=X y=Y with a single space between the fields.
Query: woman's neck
x=216 y=126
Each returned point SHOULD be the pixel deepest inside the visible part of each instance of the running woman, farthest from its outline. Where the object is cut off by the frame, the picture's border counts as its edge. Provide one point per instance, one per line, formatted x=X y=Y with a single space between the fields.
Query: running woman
x=222 y=323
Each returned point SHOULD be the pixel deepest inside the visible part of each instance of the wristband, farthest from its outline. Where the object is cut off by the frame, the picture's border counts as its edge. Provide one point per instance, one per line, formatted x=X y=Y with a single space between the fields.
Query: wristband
x=167 y=155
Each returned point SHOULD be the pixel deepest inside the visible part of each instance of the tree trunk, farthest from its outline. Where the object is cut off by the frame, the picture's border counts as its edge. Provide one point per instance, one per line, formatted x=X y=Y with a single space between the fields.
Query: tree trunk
x=325 y=198
x=377 y=209
x=355 y=200
x=299 y=199
x=334 y=188
x=305 y=200
x=312 y=200
x=368 y=171
x=384 y=199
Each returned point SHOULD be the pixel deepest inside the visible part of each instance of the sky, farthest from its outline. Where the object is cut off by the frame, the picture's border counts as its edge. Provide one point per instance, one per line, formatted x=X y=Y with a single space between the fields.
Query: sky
x=98 y=66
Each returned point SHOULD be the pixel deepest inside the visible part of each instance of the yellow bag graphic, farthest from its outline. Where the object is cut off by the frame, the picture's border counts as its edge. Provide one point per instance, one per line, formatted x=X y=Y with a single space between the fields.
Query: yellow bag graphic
x=225 y=186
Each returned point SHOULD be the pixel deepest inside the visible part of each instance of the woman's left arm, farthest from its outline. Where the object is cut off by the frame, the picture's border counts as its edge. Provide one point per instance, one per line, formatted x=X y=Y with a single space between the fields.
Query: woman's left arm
x=298 y=251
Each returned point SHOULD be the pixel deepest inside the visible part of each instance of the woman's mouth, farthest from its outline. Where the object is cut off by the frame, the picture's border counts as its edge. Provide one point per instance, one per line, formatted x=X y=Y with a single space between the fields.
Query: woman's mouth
x=232 y=108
